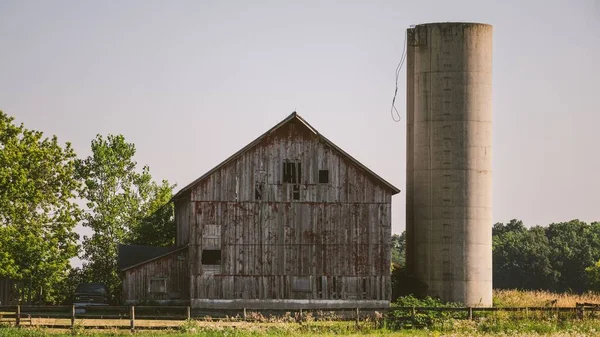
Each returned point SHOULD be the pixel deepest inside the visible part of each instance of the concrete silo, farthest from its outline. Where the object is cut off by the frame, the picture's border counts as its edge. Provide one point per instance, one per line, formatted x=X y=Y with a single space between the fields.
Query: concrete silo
x=449 y=160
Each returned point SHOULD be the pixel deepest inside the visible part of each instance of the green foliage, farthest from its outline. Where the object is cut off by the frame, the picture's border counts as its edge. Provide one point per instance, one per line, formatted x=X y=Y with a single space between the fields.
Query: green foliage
x=401 y=318
x=552 y=258
x=157 y=226
x=399 y=249
x=404 y=284
x=124 y=206
x=37 y=210
x=521 y=257
x=593 y=276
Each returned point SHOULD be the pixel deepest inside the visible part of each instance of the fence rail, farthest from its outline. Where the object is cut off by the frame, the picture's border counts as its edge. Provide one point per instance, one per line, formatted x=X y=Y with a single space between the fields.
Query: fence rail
x=126 y=317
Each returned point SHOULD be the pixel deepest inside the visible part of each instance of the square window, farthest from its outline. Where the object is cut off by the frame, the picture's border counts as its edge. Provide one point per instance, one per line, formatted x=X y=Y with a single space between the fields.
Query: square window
x=211 y=257
x=158 y=285
x=323 y=176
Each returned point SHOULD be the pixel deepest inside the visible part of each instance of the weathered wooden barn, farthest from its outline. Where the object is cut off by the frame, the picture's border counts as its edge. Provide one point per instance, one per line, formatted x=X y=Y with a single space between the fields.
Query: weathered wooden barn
x=289 y=221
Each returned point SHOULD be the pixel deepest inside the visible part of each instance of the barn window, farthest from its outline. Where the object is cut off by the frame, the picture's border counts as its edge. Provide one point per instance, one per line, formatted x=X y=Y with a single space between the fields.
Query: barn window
x=158 y=285
x=292 y=173
x=323 y=176
x=296 y=192
x=258 y=191
x=211 y=257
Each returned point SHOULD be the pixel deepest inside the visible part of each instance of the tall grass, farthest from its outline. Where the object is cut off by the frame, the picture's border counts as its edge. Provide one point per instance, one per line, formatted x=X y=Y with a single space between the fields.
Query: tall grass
x=519 y=298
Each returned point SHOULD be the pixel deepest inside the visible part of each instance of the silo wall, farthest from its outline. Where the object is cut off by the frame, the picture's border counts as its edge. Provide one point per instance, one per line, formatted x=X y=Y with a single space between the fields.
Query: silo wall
x=449 y=160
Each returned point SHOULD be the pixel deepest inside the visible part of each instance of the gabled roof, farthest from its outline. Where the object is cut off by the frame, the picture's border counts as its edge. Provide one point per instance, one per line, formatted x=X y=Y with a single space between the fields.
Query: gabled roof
x=292 y=117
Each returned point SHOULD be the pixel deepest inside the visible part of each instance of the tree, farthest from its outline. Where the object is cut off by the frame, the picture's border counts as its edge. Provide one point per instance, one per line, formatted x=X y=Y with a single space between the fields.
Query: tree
x=157 y=228
x=124 y=206
x=521 y=257
x=593 y=276
x=37 y=210
x=574 y=248
x=399 y=248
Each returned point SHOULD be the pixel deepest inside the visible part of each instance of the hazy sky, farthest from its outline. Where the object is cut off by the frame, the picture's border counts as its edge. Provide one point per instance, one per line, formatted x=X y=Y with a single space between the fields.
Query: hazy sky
x=191 y=82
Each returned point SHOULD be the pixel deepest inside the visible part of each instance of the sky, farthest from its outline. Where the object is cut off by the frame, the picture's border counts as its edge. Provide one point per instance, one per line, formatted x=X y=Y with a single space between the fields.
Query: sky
x=192 y=82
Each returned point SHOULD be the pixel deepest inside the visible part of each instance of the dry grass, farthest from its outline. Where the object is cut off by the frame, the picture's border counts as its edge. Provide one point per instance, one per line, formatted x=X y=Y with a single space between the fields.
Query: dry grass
x=519 y=298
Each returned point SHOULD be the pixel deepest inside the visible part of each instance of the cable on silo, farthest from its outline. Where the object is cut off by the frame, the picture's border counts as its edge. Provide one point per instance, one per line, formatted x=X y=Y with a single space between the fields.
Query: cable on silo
x=393 y=111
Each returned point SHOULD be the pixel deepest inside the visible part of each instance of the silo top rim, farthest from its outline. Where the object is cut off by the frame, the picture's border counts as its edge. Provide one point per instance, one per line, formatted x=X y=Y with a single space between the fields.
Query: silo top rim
x=454 y=23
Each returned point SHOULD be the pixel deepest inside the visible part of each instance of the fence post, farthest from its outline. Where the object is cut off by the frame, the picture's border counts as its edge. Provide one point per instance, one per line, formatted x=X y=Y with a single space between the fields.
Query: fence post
x=413 y=315
x=72 y=317
x=132 y=318
x=18 y=319
x=189 y=313
x=300 y=315
x=357 y=316
x=470 y=313
x=245 y=317
x=582 y=313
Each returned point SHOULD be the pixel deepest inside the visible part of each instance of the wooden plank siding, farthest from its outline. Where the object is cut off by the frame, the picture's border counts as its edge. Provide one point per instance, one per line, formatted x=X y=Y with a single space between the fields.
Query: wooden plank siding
x=332 y=243
x=173 y=268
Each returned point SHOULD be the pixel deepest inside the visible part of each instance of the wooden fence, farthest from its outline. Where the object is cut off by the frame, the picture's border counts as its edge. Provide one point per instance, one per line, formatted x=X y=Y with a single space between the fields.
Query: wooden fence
x=127 y=317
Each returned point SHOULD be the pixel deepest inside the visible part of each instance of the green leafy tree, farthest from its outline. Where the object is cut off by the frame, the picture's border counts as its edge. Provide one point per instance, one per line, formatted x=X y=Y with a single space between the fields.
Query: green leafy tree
x=593 y=276
x=157 y=227
x=124 y=206
x=399 y=248
x=521 y=257
x=37 y=210
x=574 y=248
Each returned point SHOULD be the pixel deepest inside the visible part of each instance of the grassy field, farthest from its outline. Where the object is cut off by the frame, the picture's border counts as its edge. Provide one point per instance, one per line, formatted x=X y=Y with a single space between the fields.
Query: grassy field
x=280 y=331
x=517 y=298
x=485 y=324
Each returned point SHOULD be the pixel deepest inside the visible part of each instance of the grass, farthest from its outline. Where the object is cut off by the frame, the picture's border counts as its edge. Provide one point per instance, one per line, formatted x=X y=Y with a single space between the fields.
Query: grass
x=276 y=332
x=518 y=298
x=485 y=324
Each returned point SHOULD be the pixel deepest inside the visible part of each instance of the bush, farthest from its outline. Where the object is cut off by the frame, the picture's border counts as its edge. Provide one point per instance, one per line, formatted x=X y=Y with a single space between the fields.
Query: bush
x=401 y=316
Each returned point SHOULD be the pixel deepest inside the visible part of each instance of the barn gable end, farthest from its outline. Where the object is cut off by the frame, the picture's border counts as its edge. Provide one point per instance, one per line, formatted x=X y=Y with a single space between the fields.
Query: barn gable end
x=289 y=220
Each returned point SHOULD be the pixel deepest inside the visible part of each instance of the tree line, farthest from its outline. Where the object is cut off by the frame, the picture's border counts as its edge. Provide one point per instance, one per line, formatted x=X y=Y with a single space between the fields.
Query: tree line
x=46 y=190
x=560 y=257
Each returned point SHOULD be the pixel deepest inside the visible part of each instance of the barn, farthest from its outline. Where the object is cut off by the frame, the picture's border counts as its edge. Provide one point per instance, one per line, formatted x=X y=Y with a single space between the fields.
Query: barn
x=289 y=221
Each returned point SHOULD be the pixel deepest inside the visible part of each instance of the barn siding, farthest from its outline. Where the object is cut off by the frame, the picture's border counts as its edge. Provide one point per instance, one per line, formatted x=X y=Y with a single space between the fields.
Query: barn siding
x=173 y=267
x=332 y=243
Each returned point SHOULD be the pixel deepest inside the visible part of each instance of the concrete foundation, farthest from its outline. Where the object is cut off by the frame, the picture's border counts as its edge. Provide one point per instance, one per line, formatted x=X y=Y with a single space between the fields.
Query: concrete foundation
x=449 y=160
x=288 y=304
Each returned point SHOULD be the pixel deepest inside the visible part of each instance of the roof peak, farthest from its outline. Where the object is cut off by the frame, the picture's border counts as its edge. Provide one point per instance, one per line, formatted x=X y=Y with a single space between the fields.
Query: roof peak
x=293 y=116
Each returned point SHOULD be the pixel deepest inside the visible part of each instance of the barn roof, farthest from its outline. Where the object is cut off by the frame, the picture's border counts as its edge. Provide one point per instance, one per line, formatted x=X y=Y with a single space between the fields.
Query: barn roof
x=293 y=117
x=130 y=256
